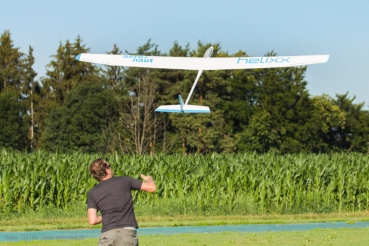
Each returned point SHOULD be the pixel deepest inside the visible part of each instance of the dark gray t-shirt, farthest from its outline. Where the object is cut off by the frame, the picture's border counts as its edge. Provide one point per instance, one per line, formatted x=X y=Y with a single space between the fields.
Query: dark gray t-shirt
x=112 y=197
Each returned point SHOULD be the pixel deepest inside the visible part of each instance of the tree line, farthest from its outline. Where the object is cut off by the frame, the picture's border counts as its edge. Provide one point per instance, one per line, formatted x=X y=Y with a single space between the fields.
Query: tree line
x=83 y=107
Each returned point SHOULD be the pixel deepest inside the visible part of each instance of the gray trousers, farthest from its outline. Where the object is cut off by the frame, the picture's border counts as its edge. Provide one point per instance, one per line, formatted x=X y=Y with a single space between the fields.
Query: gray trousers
x=119 y=237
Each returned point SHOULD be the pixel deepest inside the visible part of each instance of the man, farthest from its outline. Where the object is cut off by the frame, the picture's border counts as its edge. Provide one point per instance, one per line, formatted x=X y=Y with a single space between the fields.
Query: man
x=112 y=197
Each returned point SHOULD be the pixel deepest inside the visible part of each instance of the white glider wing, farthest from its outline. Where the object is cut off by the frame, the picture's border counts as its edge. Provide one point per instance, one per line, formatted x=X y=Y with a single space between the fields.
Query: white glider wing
x=199 y=63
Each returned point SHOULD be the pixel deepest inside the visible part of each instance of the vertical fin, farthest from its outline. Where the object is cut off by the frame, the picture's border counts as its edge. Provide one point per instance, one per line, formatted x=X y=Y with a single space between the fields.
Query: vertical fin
x=180 y=103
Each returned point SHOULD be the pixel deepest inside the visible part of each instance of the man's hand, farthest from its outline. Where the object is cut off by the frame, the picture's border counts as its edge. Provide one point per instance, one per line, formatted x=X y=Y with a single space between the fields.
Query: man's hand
x=146 y=178
x=148 y=184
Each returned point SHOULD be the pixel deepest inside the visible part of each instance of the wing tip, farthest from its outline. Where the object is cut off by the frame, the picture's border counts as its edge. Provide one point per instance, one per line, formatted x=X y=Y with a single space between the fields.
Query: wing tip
x=78 y=57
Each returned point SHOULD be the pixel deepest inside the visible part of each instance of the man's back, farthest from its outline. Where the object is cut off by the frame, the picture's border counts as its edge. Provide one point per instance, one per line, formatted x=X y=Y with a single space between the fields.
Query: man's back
x=112 y=197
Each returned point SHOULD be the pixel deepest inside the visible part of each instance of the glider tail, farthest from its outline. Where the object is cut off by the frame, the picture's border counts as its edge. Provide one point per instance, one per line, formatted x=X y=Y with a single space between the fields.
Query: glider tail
x=183 y=108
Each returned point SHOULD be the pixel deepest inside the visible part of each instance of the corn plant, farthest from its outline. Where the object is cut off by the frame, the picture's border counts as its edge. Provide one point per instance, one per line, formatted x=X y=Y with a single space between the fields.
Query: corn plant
x=267 y=183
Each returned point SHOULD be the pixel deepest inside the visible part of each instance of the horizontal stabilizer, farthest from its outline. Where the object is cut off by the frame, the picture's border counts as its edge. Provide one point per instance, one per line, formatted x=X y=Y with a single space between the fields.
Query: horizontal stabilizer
x=186 y=109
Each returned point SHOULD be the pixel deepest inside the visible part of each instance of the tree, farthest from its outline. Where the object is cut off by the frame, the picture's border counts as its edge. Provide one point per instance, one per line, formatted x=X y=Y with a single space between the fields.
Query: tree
x=327 y=116
x=79 y=124
x=169 y=84
x=10 y=62
x=280 y=94
x=258 y=135
x=238 y=96
x=27 y=89
x=137 y=115
x=114 y=74
x=203 y=133
x=353 y=135
x=65 y=72
x=17 y=75
x=13 y=130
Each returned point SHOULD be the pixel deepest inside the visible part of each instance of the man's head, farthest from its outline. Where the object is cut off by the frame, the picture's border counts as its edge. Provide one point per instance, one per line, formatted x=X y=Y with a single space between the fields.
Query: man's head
x=101 y=170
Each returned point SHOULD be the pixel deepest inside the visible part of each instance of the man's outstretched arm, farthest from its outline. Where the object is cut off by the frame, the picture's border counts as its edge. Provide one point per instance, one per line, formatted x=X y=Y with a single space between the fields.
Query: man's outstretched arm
x=148 y=184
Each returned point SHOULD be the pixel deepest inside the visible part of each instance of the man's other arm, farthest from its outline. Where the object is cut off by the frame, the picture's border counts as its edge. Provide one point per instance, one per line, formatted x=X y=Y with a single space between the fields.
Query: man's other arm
x=148 y=184
x=93 y=219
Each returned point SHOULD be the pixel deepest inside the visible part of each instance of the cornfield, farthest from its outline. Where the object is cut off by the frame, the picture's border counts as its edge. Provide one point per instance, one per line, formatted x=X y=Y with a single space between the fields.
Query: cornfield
x=242 y=183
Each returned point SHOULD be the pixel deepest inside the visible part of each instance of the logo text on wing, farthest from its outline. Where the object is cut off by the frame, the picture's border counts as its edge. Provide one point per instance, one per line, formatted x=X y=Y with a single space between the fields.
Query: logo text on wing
x=139 y=58
x=256 y=60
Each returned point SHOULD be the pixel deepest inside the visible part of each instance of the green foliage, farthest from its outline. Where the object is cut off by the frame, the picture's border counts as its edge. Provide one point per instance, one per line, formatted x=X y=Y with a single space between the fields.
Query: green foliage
x=258 y=135
x=13 y=112
x=281 y=117
x=78 y=124
x=10 y=62
x=65 y=72
x=13 y=128
x=353 y=135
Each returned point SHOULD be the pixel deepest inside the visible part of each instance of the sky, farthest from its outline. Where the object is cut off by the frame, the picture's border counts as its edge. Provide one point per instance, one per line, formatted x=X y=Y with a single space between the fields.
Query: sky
x=288 y=27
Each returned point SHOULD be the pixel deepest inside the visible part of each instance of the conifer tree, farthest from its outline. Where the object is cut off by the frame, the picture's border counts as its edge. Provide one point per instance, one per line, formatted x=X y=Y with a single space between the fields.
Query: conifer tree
x=65 y=72
x=13 y=128
x=10 y=62
x=114 y=74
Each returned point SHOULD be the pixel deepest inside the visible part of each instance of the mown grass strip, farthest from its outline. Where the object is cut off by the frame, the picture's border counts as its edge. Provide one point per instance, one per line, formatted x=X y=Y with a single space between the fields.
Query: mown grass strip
x=357 y=237
x=37 y=223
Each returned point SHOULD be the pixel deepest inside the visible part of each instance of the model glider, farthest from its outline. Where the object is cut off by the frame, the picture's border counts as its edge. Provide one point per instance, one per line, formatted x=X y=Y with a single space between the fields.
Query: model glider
x=200 y=64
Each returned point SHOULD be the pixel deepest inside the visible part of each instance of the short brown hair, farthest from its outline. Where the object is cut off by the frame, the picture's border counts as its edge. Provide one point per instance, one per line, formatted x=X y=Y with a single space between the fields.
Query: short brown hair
x=98 y=169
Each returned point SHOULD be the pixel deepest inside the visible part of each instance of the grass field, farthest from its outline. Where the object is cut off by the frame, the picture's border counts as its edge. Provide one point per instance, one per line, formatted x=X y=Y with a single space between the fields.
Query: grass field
x=38 y=222
x=357 y=237
x=350 y=237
